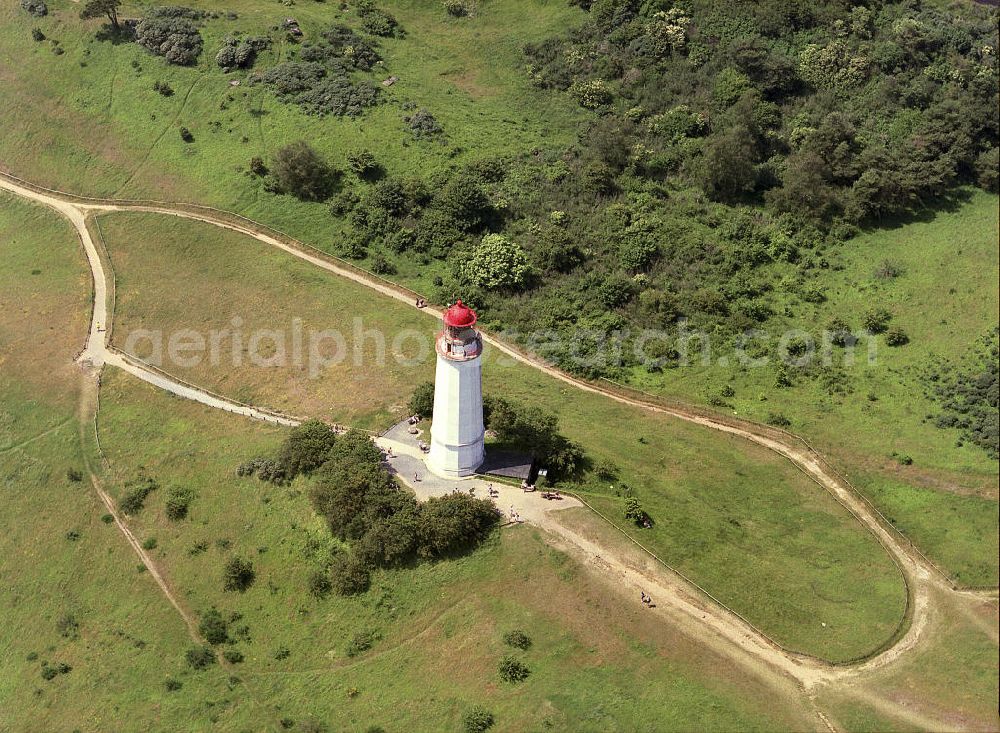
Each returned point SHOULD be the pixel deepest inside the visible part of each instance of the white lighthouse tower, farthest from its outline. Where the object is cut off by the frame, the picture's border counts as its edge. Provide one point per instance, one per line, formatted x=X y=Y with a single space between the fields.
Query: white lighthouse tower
x=457 y=431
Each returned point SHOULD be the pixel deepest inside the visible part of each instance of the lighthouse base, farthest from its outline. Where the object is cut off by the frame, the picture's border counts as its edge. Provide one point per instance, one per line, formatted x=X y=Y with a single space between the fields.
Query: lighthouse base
x=455 y=461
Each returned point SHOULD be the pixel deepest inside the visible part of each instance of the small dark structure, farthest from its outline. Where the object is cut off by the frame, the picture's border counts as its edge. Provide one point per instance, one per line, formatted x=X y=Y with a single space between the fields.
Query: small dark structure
x=508 y=464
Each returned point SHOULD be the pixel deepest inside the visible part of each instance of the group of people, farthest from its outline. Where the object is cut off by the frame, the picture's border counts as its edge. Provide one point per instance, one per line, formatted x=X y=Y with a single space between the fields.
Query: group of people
x=525 y=486
x=514 y=516
x=421 y=303
x=647 y=600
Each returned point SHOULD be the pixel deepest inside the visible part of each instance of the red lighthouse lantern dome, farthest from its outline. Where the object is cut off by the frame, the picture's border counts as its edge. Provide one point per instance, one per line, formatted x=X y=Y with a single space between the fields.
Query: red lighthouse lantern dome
x=460 y=316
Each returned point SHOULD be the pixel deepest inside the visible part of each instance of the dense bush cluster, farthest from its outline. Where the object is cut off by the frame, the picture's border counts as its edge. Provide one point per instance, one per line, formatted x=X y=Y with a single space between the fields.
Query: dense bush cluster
x=364 y=506
x=970 y=398
x=240 y=53
x=36 y=7
x=376 y=21
x=531 y=429
x=733 y=150
x=321 y=80
x=385 y=525
x=170 y=32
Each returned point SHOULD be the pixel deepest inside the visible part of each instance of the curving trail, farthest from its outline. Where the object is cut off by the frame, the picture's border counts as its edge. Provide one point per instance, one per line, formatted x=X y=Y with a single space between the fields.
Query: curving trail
x=684 y=604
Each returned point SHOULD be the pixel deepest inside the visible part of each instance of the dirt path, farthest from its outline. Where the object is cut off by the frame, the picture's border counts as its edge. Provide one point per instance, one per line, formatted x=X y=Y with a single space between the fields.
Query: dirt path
x=678 y=597
x=89 y=388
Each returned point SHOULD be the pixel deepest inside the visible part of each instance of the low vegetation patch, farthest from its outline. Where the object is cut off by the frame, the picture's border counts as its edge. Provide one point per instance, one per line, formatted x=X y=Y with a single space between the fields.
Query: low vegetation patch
x=135 y=493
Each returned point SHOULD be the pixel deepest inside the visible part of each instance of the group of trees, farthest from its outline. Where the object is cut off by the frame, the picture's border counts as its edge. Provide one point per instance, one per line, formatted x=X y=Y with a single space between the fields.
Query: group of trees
x=384 y=525
x=824 y=110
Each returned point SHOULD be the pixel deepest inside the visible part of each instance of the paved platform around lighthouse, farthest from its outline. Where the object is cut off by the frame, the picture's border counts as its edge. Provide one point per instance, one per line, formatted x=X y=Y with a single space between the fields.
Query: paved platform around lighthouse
x=408 y=464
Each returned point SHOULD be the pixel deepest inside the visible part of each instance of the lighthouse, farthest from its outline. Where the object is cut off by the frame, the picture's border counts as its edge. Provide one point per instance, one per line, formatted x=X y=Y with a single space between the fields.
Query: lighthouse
x=457 y=431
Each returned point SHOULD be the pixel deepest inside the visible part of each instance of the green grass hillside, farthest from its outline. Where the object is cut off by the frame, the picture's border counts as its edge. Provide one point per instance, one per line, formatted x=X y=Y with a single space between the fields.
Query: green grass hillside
x=738 y=519
x=436 y=628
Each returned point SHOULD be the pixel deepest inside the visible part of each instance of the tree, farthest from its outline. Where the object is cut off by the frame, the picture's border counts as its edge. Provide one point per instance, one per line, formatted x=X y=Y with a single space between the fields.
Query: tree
x=454 y=522
x=728 y=171
x=302 y=172
x=498 y=263
x=238 y=574
x=422 y=401
x=107 y=8
x=306 y=448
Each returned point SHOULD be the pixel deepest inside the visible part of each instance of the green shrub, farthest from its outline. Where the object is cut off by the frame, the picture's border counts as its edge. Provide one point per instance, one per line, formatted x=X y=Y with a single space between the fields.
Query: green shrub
x=361 y=642
x=457 y=9
x=172 y=685
x=233 y=656
x=364 y=164
x=778 y=419
x=423 y=125
x=896 y=336
x=302 y=172
x=306 y=448
x=319 y=584
x=178 y=502
x=517 y=638
x=200 y=657
x=186 y=135
x=477 y=719
x=162 y=88
x=37 y=35
x=36 y=8
x=149 y=543
x=68 y=626
x=135 y=494
x=169 y=32
x=349 y=576
x=238 y=574
x=376 y=21
x=512 y=670
x=876 y=320
x=634 y=511
x=213 y=627
x=497 y=263
x=107 y=518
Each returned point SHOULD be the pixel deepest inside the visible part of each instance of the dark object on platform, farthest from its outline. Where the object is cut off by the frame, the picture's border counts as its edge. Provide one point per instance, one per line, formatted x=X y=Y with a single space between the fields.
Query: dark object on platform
x=508 y=464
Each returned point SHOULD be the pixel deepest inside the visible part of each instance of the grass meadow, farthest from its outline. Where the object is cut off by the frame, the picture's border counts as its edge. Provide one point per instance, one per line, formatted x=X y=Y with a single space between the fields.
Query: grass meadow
x=437 y=626
x=89 y=121
x=951 y=679
x=72 y=593
x=946 y=299
x=740 y=520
